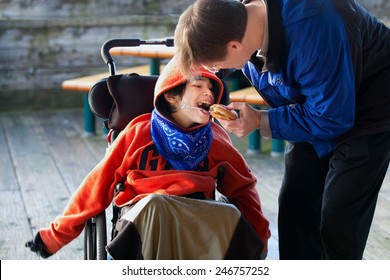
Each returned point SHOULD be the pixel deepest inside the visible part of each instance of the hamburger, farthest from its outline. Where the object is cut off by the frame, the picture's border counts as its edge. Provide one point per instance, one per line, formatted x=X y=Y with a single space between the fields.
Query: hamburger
x=221 y=112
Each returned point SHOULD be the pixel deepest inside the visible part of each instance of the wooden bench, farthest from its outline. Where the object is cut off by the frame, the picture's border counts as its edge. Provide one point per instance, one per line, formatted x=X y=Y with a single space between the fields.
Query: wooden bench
x=83 y=84
x=248 y=95
x=251 y=96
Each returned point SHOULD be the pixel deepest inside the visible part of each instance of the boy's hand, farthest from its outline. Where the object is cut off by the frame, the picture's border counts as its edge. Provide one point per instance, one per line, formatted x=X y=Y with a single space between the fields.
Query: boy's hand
x=37 y=246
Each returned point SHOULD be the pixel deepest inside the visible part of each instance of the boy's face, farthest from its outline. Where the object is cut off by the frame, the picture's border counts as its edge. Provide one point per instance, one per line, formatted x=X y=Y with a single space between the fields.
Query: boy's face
x=193 y=105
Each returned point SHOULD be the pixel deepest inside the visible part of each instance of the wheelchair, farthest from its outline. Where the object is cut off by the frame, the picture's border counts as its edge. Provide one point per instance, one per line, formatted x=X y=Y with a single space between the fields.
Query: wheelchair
x=117 y=99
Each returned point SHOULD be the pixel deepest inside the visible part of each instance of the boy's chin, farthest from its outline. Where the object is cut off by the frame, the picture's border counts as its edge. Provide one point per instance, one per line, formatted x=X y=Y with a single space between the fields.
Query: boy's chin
x=201 y=122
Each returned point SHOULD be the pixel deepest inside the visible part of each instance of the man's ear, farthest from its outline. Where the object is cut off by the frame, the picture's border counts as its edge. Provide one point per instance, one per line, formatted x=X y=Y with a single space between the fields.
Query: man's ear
x=234 y=46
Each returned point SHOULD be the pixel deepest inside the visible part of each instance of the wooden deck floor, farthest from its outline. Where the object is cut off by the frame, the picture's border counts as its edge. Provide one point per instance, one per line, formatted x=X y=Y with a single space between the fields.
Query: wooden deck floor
x=44 y=156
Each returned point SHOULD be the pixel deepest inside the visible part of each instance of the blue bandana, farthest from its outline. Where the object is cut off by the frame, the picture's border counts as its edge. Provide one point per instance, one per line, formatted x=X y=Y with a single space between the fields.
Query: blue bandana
x=184 y=150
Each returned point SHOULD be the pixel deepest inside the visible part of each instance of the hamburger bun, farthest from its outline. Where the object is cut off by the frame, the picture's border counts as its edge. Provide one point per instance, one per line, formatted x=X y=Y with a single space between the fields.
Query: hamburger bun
x=220 y=112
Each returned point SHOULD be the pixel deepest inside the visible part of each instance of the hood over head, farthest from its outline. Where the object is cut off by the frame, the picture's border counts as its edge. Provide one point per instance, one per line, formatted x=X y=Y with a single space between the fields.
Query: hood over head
x=171 y=77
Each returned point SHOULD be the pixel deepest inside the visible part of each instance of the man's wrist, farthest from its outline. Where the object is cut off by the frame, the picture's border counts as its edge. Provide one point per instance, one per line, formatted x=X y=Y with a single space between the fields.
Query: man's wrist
x=265 y=129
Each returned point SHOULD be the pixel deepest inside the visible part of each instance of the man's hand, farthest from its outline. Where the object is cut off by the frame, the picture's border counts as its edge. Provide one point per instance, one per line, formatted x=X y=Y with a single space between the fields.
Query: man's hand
x=37 y=246
x=248 y=121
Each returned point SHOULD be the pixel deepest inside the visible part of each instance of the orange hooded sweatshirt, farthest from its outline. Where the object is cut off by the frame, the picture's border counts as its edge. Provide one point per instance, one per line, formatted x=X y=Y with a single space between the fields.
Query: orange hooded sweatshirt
x=134 y=160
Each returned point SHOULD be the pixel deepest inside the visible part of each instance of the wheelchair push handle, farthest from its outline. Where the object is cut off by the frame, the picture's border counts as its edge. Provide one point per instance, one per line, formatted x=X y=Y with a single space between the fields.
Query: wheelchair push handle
x=108 y=45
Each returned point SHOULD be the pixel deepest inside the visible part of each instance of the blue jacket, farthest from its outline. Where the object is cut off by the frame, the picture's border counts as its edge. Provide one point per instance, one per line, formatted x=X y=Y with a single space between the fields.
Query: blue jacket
x=324 y=61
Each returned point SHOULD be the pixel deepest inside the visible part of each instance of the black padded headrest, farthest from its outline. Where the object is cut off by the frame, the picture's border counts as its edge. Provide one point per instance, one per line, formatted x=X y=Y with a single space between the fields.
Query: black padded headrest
x=121 y=98
x=100 y=100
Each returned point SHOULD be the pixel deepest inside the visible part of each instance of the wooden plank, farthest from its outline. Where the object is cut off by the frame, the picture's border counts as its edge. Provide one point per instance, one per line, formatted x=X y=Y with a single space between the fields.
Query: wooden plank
x=7 y=176
x=149 y=51
x=14 y=227
x=14 y=223
x=95 y=144
x=378 y=243
x=72 y=157
x=84 y=84
x=248 y=95
x=43 y=189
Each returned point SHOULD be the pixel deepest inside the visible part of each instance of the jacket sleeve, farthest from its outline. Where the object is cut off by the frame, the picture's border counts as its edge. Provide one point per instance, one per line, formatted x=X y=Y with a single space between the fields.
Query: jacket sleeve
x=238 y=183
x=323 y=82
x=92 y=196
x=313 y=94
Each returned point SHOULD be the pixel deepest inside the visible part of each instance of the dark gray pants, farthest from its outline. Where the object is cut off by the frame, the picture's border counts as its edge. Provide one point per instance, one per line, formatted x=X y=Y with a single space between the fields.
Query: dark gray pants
x=326 y=205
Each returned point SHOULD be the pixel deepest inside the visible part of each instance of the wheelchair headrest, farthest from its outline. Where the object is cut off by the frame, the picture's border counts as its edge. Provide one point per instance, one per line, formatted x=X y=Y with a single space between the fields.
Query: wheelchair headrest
x=100 y=100
x=121 y=98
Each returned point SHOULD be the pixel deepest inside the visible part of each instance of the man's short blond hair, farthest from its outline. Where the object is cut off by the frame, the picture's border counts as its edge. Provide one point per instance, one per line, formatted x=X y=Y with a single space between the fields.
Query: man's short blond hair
x=204 y=30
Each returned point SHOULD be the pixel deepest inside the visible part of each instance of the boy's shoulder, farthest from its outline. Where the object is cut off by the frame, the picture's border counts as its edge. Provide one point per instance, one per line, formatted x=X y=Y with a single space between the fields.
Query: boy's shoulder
x=219 y=132
x=140 y=122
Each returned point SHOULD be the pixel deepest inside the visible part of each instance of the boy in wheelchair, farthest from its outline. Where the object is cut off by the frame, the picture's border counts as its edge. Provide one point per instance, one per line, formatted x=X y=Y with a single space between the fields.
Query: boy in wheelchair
x=168 y=161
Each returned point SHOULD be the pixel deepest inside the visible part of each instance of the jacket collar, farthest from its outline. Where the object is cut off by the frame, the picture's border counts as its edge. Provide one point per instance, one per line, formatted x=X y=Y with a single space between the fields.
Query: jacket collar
x=275 y=38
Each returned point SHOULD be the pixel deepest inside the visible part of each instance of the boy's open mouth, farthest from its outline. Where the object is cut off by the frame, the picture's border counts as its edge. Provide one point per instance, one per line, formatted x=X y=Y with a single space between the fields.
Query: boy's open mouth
x=204 y=105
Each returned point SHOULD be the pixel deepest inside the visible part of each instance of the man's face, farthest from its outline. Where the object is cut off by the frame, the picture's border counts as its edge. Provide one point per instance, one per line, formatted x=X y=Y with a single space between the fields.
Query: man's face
x=235 y=58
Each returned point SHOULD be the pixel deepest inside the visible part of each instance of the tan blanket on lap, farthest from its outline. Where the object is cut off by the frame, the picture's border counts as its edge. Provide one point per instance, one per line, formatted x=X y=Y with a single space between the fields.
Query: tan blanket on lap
x=173 y=227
